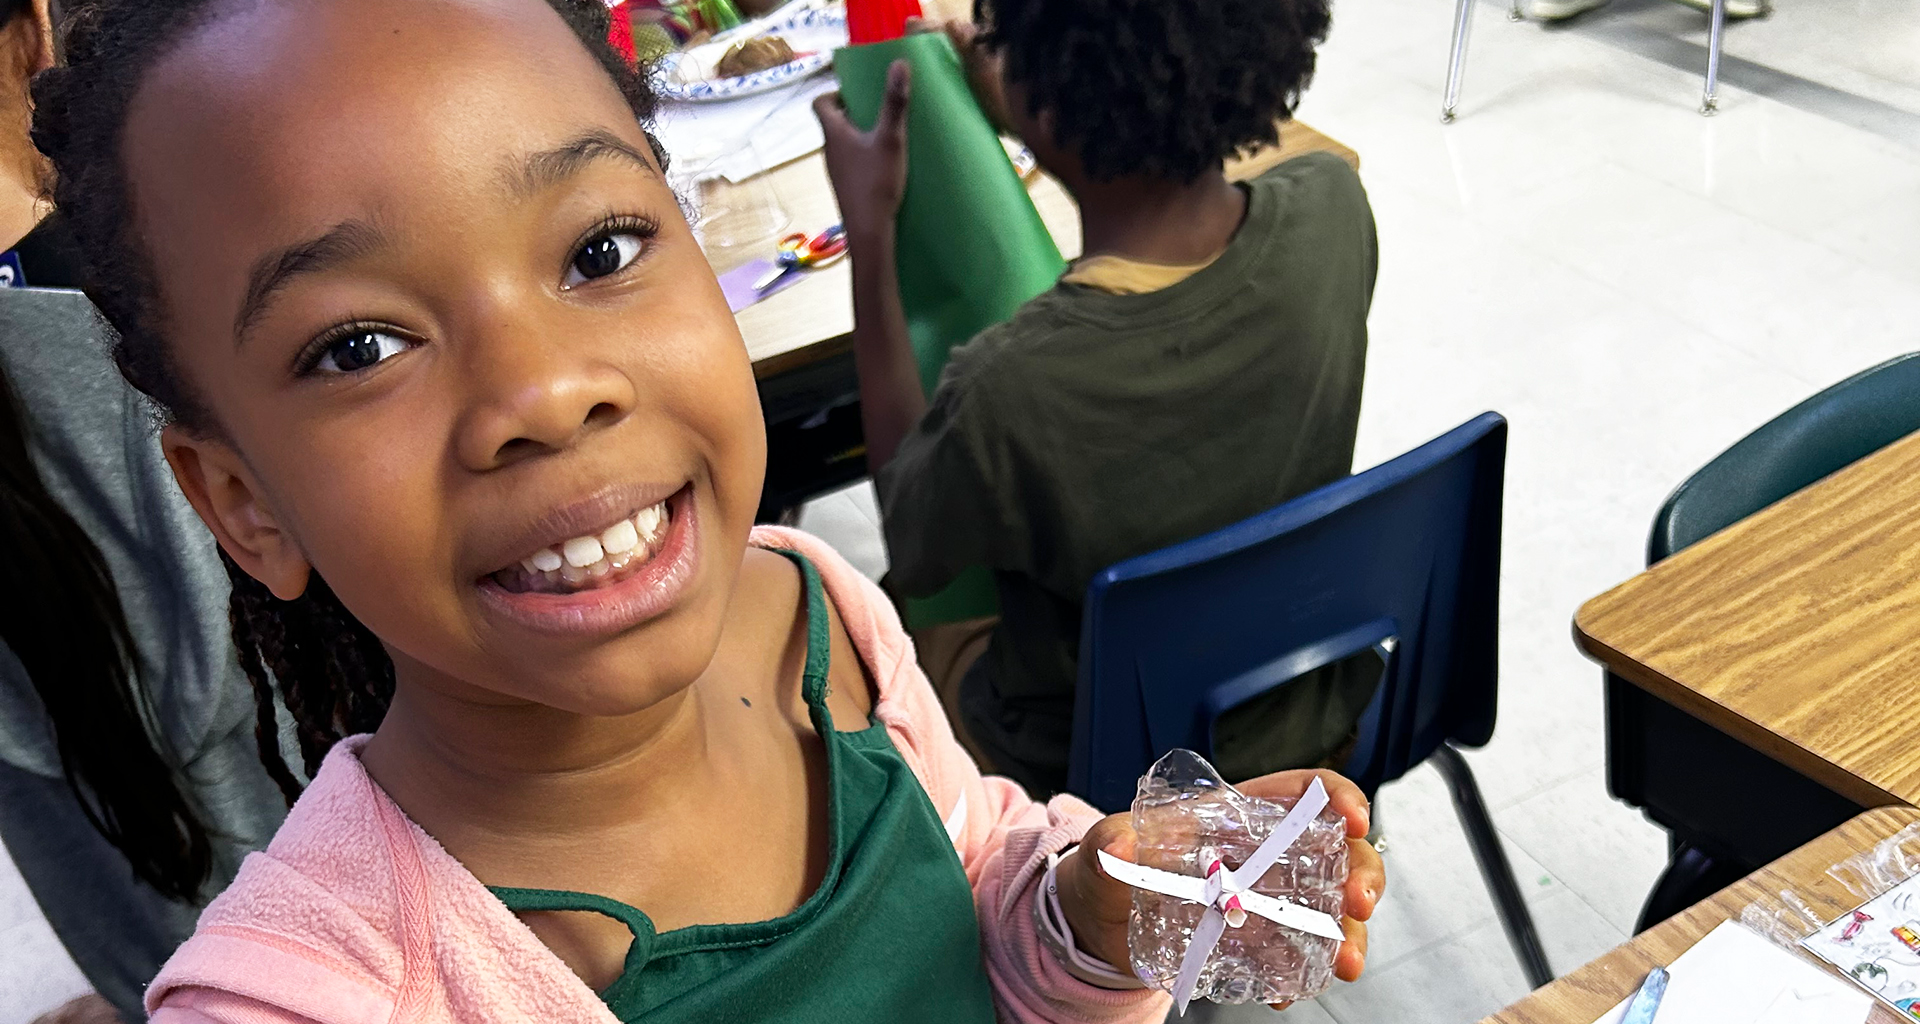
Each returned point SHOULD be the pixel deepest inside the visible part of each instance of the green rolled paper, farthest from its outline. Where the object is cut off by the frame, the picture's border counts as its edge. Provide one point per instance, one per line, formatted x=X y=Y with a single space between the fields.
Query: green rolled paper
x=971 y=246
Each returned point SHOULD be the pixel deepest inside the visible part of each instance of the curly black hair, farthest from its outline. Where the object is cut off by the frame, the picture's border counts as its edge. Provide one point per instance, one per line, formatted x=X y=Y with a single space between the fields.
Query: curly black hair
x=1157 y=88
x=333 y=674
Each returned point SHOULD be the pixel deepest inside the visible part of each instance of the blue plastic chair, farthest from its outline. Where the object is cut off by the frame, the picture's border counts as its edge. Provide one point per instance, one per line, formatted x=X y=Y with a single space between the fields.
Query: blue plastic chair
x=1403 y=559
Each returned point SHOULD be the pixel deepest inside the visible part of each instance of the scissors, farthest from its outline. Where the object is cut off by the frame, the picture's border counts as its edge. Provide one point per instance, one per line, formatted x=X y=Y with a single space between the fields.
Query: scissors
x=1646 y=1002
x=797 y=251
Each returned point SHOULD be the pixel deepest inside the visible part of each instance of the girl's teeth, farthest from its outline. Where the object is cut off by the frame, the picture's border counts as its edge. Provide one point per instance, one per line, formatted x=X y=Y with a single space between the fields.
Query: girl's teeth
x=648 y=522
x=620 y=538
x=589 y=558
x=582 y=552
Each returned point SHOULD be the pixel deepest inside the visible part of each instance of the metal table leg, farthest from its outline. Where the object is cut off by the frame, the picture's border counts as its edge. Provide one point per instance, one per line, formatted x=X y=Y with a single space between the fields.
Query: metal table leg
x=1457 y=60
x=1710 y=100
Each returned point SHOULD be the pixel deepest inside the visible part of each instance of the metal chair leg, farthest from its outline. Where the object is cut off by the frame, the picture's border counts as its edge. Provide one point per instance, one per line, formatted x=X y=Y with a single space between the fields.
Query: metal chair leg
x=1494 y=867
x=1513 y=12
x=1457 y=59
x=1710 y=100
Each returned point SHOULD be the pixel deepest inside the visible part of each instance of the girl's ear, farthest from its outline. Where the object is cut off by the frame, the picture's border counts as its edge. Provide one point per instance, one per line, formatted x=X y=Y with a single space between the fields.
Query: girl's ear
x=46 y=22
x=216 y=482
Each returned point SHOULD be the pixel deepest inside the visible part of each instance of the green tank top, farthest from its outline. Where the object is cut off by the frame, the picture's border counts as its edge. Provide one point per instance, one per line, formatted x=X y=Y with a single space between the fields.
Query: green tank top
x=890 y=935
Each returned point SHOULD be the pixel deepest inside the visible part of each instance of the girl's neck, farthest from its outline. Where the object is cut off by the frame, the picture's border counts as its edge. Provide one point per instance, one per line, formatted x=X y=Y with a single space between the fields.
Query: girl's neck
x=1156 y=221
x=462 y=769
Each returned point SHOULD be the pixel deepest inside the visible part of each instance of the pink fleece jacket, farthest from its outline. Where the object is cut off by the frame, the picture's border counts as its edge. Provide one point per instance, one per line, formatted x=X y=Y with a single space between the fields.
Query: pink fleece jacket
x=353 y=915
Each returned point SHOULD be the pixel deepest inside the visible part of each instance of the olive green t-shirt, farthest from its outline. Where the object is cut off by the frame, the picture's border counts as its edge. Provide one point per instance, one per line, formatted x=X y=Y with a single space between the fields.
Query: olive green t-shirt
x=1093 y=427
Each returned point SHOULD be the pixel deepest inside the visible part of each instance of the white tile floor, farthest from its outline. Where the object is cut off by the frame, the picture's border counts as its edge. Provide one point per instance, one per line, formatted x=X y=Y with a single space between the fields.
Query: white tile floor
x=1634 y=287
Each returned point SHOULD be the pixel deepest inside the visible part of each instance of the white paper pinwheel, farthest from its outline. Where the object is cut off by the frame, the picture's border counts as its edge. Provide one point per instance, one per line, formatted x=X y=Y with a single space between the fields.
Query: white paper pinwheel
x=1228 y=896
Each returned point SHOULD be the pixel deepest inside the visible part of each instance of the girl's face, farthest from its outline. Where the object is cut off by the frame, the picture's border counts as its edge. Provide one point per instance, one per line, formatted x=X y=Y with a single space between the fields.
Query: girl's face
x=461 y=353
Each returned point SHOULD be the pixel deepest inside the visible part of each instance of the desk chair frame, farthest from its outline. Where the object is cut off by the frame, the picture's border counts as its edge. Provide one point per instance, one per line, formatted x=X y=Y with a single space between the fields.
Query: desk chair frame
x=1463 y=21
x=1402 y=560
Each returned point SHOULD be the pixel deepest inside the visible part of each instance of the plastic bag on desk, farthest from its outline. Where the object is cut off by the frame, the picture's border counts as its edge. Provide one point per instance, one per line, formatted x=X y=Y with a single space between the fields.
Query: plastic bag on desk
x=1785 y=917
x=1190 y=823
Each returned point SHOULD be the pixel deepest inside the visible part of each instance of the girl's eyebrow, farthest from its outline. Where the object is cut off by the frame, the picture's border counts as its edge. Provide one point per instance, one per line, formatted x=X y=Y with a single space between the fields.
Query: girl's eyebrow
x=540 y=171
x=344 y=242
x=352 y=239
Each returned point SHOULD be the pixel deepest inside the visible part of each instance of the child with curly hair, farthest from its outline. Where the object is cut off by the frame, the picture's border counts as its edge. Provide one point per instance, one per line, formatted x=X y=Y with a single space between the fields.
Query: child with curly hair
x=456 y=391
x=1200 y=362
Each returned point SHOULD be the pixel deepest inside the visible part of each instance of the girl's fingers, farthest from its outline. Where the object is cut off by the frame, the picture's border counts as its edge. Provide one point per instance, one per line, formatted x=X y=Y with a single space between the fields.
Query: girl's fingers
x=1352 y=957
x=1113 y=834
x=1366 y=879
x=1344 y=797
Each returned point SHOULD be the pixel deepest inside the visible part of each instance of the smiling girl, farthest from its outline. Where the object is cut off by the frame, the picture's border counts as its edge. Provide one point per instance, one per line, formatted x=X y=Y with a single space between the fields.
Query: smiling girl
x=453 y=386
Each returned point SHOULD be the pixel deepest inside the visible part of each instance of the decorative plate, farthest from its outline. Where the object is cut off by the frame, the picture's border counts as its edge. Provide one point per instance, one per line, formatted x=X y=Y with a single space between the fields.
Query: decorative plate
x=814 y=34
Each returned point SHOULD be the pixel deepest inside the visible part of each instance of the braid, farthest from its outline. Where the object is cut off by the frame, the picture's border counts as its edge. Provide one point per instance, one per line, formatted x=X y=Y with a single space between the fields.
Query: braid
x=333 y=674
x=331 y=671
x=248 y=617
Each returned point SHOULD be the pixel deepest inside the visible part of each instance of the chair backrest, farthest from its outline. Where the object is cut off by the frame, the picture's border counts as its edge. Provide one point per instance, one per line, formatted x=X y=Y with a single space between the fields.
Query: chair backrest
x=1403 y=558
x=1846 y=422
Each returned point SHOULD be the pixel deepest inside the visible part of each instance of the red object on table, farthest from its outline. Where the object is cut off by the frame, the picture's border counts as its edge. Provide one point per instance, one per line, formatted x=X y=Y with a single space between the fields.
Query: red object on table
x=620 y=33
x=876 y=21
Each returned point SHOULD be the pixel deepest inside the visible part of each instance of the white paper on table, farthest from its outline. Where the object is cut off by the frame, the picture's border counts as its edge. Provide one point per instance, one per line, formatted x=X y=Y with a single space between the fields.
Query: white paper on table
x=737 y=139
x=1734 y=976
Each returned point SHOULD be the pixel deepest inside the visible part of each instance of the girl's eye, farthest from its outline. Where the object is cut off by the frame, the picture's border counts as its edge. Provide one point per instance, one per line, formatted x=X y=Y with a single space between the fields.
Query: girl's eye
x=603 y=256
x=358 y=350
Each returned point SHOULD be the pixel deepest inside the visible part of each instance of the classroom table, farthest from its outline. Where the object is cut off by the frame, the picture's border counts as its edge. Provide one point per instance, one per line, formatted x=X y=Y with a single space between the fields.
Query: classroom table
x=1795 y=631
x=811 y=321
x=1585 y=994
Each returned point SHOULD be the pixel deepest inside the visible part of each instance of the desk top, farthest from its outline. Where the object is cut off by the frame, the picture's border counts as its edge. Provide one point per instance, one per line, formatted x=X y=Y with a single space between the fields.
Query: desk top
x=1796 y=630
x=1585 y=994
x=811 y=320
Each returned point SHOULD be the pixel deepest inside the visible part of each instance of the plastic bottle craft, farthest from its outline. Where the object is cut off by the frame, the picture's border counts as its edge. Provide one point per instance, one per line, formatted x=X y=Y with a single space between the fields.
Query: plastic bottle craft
x=1266 y=930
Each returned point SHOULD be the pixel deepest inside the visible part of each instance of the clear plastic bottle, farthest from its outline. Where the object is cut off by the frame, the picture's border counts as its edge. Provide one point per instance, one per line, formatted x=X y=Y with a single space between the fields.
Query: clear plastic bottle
x=1184 y=812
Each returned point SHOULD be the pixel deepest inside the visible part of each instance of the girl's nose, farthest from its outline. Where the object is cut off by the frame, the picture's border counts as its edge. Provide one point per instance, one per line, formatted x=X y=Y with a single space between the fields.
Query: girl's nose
x=532 y=399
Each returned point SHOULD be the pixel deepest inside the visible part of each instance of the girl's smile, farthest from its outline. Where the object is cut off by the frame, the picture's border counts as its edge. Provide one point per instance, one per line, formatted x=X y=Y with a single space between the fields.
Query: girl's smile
x=601 y=581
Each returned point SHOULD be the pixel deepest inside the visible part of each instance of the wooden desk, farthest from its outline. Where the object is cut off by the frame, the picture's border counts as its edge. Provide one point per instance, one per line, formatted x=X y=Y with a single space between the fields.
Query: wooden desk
x=1585 y=994
x=1795 y=631
x=812 y=320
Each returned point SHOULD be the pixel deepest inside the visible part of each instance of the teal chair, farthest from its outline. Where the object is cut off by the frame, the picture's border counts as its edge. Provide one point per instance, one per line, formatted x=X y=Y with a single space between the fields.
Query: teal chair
x=1729 y=809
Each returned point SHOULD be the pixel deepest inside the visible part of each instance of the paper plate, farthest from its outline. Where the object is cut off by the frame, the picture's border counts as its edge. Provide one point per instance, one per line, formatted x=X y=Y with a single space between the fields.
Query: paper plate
x=814 y=34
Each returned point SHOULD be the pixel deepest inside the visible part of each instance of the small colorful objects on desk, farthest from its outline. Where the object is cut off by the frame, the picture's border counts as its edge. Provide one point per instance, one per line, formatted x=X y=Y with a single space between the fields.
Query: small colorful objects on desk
x=760 y=279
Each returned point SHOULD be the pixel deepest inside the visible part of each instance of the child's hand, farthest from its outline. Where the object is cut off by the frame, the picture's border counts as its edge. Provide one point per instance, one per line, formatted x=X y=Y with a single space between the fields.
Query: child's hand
x=981 y=64
x=1097 y=905
x=868 y=169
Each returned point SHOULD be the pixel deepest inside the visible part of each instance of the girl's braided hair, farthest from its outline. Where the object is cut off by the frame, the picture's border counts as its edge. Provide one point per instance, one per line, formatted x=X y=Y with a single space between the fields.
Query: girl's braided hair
x=333 y=674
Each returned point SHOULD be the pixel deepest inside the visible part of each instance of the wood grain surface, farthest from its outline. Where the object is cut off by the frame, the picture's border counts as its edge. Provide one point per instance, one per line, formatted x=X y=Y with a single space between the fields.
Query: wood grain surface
x=1585 y=994
x=1796 y=630
x=811 y=320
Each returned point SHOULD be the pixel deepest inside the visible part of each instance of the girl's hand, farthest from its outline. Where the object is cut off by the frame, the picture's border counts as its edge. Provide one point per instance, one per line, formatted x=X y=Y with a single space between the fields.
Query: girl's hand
x=868 y=169
x=1097 y=905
